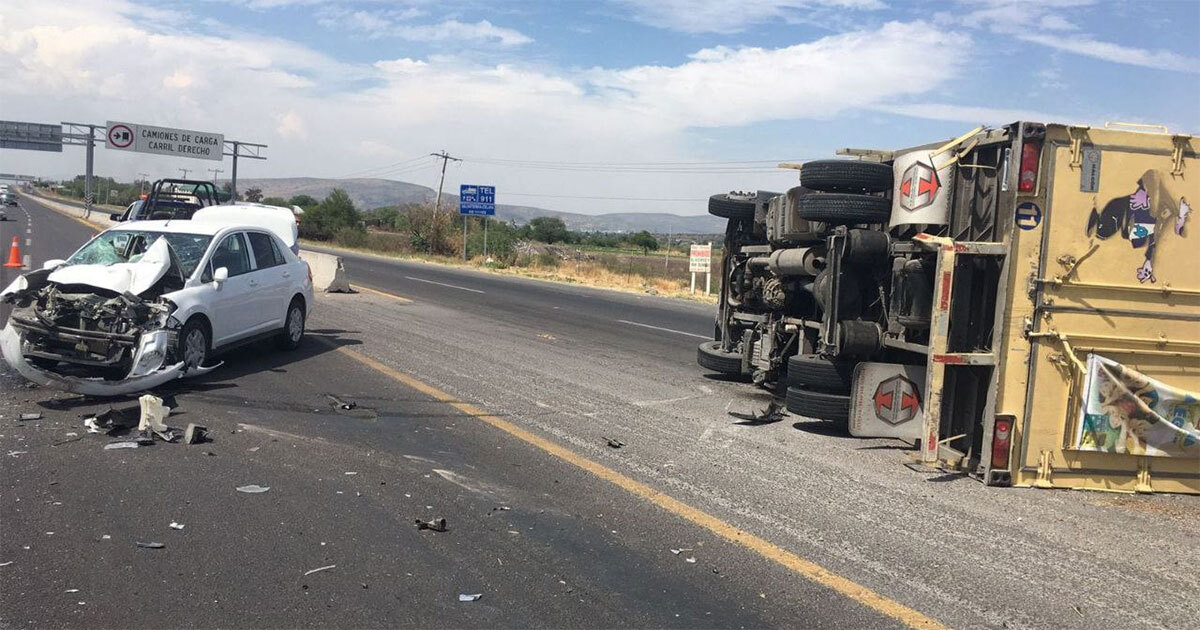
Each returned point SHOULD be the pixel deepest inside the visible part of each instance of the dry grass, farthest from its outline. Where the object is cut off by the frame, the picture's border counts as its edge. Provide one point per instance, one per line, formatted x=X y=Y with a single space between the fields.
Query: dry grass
x=582 y=273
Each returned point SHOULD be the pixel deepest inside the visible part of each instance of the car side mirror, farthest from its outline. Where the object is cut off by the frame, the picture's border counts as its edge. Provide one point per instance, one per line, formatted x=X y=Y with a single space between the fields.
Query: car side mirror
x=52 y=263
x=220 y=275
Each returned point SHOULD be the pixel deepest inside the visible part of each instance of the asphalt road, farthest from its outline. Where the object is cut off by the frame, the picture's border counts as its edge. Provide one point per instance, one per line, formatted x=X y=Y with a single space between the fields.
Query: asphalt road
x=477 y=393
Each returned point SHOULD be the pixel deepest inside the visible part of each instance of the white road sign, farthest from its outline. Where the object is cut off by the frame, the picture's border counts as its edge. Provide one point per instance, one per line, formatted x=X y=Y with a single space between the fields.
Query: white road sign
x=200 y=145
x=701 y=259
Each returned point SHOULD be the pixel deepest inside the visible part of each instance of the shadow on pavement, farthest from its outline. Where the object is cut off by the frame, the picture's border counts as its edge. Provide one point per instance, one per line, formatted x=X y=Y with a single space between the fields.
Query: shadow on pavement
x=821 y=427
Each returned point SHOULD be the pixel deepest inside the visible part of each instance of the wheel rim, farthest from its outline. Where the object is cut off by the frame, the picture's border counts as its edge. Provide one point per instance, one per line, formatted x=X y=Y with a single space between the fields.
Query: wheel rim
x=295 y=325
x=194 y=348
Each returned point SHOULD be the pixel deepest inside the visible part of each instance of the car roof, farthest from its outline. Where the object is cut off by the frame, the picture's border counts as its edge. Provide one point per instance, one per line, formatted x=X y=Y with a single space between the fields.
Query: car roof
x=182 y=226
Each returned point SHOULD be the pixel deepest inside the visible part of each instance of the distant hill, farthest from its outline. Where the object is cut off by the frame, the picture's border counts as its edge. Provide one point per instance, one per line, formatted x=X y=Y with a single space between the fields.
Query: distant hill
x=374 y=193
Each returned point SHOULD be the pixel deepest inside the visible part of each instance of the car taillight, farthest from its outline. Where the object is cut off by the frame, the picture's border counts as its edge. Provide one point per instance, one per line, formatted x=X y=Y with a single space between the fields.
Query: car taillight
x=1001 y=442
x=1031 y=152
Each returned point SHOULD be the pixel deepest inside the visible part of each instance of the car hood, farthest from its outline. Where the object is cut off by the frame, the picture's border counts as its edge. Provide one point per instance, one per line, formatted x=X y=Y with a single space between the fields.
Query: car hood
x=128 y=277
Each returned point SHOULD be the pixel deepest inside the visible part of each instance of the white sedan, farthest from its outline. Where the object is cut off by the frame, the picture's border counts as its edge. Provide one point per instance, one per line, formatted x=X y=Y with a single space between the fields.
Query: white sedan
x=147 y=302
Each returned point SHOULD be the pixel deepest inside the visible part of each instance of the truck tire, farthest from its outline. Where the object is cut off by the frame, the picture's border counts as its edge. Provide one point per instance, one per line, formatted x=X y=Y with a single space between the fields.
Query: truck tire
x=710 y=356
x=842 y=209
x=733 y=206
x=815 y=372
x=819 y=405
x=867 y=247
x=846 y=176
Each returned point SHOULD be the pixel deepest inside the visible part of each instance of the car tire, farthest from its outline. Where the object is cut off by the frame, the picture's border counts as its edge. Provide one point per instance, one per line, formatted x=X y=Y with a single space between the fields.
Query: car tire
x=710 y=356
x=292 y=332
x=820 y=405
x=846 y=176
x=843 y=209
x=815 y=372
x=195 y=343
x=733 y=206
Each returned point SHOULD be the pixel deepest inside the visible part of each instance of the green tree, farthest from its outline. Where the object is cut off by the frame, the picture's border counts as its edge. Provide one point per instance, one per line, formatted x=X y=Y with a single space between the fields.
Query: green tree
x=304 y=201
x=335 y=213
x=254 y=195
x=645 y=240
x=548 y=230
x=276 y=201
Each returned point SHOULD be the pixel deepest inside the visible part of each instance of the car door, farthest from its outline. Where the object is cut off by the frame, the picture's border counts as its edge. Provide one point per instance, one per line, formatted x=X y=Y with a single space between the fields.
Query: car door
x=273 y=278
x=234 y=312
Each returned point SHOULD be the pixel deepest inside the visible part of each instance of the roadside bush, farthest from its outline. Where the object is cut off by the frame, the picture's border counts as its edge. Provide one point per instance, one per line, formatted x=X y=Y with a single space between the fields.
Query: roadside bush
x=546 y=259
x=501 y=241
x=351 y=237
x=327 y=218
x=430 y=232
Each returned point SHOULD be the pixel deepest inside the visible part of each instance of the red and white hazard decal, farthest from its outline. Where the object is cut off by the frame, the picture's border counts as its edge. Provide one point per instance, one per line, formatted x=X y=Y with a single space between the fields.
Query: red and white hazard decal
x=919 y=186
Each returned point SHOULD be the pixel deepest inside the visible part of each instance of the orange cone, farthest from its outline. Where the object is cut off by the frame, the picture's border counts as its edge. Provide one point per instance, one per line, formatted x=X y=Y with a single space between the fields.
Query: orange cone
x=14 y=254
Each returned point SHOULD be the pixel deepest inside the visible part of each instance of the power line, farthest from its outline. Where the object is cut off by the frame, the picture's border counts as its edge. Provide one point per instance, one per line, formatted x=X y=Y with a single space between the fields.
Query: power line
x=517 y=194
x=363 y=172
x=561 y=162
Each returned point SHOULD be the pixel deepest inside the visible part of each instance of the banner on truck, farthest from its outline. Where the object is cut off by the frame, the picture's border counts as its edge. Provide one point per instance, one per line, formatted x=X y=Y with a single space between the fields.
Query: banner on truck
x=1125 y=411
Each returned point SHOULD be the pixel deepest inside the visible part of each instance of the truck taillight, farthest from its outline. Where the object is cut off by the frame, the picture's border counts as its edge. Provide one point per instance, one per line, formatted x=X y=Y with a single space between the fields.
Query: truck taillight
x=1001 y=442
x=1031 y=152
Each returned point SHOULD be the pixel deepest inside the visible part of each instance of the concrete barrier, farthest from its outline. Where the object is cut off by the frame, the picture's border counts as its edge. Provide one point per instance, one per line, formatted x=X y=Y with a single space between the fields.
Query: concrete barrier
x=328 y=272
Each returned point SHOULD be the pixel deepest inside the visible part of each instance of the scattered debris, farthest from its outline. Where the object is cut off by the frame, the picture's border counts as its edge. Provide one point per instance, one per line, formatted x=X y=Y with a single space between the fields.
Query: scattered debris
x=91 y=425
x=106 y=537
x=253 y=449
x=195 y=434
x=680 y=550
x=351 y=472
x=115 y=445
x=175 y=525
x=15 y=453
x=71 y=590
x=1078 y=611
x=437 y=525
x=253 y=489
x=167 y=436
x=72 y=437
x=319 y=569
x=690 y=560
x=773 y=413
x=613 y=442
x=342 y=404
x=150 y=545
x=154 y=414
x=31 y=416
x=463 y=597
x=210 y=453
x=4 y=564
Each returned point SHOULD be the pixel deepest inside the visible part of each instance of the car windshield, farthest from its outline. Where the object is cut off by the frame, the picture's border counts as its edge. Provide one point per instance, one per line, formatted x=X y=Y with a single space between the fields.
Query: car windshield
x=117 y=246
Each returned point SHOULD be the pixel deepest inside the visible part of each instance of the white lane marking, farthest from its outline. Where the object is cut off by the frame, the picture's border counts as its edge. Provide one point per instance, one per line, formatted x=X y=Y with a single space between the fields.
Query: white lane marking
x=671 y=330
x=452 y=286
x=28 y=242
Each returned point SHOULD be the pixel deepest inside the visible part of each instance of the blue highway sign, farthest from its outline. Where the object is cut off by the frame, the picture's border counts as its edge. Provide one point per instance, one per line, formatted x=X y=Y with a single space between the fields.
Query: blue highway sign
x=479 y=200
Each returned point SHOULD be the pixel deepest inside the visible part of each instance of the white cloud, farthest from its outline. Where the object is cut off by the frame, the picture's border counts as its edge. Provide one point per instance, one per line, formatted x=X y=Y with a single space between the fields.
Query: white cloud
x=969 y=114
x=729 y=16
x=1116 y=53
x=397 y=24
x=291 y=125
x=453 y=30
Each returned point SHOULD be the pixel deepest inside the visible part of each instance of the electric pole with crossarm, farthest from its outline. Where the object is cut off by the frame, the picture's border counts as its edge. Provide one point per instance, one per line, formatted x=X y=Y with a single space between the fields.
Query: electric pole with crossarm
x=437 y=204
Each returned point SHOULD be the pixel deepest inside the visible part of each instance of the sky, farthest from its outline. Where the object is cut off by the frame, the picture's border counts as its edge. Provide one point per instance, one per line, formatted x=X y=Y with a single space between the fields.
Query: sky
x=597 y=106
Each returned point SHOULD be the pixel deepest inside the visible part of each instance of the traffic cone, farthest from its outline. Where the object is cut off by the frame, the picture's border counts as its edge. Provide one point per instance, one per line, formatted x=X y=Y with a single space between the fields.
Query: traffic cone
x=14 y=254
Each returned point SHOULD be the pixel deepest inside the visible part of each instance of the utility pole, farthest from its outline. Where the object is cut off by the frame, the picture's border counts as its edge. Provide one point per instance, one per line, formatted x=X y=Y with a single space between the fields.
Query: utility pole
x=185 y=171
x=214 y=171
x=437 y=204
x=144 y=176
x=667 y=259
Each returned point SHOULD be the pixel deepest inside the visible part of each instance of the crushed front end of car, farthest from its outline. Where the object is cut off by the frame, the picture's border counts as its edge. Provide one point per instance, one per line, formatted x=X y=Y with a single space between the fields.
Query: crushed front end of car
x=82 y=329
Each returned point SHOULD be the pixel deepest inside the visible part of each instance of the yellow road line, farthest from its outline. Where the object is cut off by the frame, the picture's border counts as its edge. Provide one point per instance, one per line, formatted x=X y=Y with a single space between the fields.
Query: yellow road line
x=778 y=555
x=398 y=298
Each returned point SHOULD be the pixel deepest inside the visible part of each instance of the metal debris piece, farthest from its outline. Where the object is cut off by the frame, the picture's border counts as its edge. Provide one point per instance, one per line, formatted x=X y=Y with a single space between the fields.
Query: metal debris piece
x=167 y=436
x=4 y=564
x=71 y=590
x=319 y=569
x=613 y=442
x=437 y=524
x=195 y=434
x=115 y=445
x=690 y=560
x=680 y=550
x=351 y=472
x=464 y=597
x=773 y=413
x=150 y=545
x=175 y=525
x=91 y=425
x=253 y=489
x=342 y=404
x=31 y=416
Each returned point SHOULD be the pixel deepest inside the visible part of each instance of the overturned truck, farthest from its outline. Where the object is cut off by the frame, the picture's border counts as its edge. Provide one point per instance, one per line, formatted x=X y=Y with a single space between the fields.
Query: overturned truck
x=1022 y=301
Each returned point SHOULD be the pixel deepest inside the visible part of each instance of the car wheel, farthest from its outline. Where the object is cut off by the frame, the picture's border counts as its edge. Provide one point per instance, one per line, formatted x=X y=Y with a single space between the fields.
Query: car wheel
x=846 y=176
x=194 y=343
x=819 y=405
x=733 y=205
x=814 y=371
x=293 y=326
x=844 y=209
x=710 y=356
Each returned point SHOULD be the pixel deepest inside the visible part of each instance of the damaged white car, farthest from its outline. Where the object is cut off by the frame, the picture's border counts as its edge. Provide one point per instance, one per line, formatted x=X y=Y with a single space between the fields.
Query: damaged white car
x=147 y=302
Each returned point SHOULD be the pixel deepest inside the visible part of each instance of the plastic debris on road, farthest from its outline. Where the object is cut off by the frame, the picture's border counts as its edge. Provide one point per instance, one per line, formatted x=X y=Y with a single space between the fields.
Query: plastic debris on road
x=613 y=442
x=154 y=414
x=150 y=545
x=115 y=445
x=464 y=597
x=437 y=525
x=175 y=525
x=319 y=569
x=195 y=434
x=4 y=564
x=253 y=489
x=773 y=413
x=30 y=416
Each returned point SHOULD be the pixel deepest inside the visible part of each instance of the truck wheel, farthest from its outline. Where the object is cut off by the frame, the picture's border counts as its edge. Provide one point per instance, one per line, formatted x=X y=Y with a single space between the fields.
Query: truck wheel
x=819 y=405
x=813 y=371
x=844 y=209
x=867 y=247
x=846 y=176
x=710 y=356
x=858 y=338
x=733 y=205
